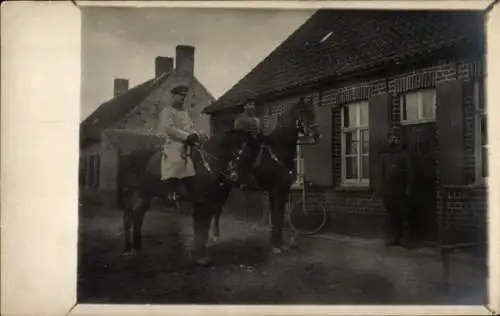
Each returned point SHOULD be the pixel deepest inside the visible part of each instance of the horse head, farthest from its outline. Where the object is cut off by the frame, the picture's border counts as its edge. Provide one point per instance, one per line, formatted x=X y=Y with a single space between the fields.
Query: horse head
x=305 y=119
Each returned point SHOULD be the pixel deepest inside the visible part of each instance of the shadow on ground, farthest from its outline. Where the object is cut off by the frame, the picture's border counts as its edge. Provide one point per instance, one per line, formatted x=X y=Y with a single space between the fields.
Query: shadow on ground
x=244 y=271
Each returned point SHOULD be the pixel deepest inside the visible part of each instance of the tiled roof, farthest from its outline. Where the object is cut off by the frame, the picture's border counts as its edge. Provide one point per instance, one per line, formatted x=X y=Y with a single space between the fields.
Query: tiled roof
x=339 y=42
x=127 y=141
x=111 y=111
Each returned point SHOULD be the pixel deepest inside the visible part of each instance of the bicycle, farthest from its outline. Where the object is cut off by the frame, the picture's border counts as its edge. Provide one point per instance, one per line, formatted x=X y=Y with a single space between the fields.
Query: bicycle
x=305 y=216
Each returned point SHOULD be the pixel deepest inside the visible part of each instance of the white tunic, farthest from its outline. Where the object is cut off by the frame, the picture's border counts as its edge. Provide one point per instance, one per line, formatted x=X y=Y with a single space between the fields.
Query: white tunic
x=177 y=125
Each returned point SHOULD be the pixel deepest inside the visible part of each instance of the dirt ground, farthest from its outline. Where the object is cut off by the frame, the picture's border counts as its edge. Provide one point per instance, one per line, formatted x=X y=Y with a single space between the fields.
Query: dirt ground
x=321 y=270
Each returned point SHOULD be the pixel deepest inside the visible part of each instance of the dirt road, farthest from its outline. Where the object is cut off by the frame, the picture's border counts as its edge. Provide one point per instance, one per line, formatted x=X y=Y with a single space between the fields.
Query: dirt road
x=333 y=270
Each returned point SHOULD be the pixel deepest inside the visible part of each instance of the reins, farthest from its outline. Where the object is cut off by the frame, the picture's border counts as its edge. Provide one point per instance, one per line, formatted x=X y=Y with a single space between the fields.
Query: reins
x=187 y=152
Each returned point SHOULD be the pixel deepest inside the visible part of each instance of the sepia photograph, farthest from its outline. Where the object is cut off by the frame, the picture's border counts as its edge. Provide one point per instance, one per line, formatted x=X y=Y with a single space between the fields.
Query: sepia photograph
x=282 y=157
x=249 y=158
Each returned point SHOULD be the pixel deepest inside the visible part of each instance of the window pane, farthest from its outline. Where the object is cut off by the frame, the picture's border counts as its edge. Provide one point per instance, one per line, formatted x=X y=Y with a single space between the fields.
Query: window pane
x=402 y=108
x=484 y=131
x=411 y=108
x=484 y=162
x=363 y=119
x=477 y=103
x=365 y=172
x=428 y=103
x=351 y=143
x=364 y=141
x=349 y=116
x=351 y=170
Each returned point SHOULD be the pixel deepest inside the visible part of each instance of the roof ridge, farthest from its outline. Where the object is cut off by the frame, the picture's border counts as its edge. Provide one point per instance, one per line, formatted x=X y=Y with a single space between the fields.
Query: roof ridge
x=274 y=51
x=288 y=65
x=133 y=132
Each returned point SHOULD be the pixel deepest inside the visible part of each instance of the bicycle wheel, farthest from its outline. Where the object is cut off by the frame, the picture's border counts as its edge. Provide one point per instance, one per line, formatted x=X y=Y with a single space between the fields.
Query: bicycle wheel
x=307 y=218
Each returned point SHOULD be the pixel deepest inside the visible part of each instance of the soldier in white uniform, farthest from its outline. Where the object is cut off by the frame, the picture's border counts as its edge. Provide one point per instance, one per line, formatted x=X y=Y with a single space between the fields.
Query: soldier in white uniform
x=177 y=123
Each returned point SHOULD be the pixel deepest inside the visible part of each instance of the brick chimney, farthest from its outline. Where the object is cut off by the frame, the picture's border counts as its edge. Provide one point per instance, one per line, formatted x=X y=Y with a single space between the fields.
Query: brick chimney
x=163 y=64
x=184 y=60
x=120 y=86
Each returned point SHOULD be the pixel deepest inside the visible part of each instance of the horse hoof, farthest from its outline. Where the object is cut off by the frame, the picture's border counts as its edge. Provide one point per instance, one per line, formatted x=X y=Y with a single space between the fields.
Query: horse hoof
x=213 y=241
x=130 y=253
x=204 y=262
x=276 y=251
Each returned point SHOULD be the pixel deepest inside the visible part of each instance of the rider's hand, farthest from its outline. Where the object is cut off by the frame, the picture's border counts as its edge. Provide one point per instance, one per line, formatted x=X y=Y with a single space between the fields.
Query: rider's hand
x=192 y=139
x=203 y=137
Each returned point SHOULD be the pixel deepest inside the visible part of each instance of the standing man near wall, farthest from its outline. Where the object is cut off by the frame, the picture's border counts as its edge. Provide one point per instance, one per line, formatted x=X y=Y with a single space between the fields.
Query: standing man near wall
x=397 y=177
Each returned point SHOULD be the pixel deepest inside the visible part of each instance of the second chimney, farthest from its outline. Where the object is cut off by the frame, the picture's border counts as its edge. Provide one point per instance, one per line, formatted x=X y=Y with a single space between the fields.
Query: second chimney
x=120 y=86
x=162 y=65
x=184 y=60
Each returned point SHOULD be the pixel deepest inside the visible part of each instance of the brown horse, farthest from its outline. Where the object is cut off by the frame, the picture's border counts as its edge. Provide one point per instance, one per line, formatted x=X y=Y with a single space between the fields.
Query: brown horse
x=208 y=192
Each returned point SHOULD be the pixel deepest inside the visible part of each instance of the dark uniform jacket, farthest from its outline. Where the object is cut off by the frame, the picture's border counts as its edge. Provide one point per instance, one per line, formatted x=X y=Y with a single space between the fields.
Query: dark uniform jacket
x=396 y=173
x=247 y=123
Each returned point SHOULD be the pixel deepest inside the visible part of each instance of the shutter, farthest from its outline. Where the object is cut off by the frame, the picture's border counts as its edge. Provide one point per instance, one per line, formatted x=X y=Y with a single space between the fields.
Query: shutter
x=379 y=124
x=91 y=171
x=450 y=130
x=98 y=170
x=318 y=158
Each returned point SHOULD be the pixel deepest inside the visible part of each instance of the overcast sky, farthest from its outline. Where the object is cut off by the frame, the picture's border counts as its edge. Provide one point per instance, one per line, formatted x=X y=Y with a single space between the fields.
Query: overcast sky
x=123 y=42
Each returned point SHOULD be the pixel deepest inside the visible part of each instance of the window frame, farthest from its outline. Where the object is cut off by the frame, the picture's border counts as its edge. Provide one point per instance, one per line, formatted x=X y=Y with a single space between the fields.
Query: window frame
x=97 y=171
x=479 y=114
x=359 y=155
x=420 y=119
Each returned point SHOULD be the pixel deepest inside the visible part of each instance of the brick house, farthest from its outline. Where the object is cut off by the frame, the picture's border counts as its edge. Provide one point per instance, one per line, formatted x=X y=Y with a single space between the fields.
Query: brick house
x=129 y=120
x=367 y=71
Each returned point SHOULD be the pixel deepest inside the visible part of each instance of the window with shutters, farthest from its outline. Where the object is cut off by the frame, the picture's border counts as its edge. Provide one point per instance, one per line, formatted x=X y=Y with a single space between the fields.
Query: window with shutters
x=97 y=170
x=355 y=143
x=418 y=106
x=82 y=172
x=481 y=136
x=91 y=171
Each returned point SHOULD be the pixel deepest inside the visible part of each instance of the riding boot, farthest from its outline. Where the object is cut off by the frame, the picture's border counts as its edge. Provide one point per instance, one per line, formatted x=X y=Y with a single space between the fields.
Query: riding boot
x=231 y=173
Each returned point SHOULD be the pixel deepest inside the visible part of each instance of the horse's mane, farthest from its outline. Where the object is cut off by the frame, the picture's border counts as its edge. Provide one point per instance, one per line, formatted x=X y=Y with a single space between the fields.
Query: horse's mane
x=285 y=129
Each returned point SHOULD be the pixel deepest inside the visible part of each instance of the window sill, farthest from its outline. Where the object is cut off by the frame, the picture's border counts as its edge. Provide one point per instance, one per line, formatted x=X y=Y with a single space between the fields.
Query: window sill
x=416 y=122
x=481 y=184
x=353 y=187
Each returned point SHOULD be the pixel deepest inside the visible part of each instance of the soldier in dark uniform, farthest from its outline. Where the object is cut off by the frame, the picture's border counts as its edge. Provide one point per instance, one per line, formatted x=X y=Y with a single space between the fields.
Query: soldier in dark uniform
x=248 y=122
x=396 y=179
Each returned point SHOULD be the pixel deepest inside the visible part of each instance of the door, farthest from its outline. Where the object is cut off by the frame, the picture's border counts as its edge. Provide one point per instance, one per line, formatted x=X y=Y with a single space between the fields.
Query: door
x=421 y=144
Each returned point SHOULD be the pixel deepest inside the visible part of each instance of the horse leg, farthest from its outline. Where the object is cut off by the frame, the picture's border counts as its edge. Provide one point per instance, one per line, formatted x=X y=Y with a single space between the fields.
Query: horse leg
x=215 y=227
x=139 y=213
x=202 y=216
x=224 y=194
x=277 y=206
x=281 y=207
x=127 y=225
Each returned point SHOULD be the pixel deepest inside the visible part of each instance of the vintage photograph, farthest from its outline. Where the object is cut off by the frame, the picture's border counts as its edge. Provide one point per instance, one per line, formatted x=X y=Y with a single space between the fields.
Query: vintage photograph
x=265 y=156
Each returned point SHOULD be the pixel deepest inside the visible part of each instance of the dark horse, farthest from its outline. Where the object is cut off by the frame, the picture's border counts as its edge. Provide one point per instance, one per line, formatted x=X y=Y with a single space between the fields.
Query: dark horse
x=208 y=192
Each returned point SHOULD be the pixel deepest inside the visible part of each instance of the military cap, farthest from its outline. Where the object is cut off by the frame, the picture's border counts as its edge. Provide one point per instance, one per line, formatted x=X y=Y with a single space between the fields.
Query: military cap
x=180 y=88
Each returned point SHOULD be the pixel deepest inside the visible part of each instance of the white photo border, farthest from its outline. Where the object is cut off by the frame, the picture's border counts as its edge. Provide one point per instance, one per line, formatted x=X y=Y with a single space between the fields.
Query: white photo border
x=40 y=115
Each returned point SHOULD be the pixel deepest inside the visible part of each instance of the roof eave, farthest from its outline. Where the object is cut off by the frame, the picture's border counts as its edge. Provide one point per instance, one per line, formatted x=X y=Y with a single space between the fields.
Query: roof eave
x=326 y=80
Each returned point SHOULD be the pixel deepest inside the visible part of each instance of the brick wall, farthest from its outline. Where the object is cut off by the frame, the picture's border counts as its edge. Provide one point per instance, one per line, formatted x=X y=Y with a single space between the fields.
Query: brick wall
x=362 y=201
x=345 y=203
x=144 y=118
